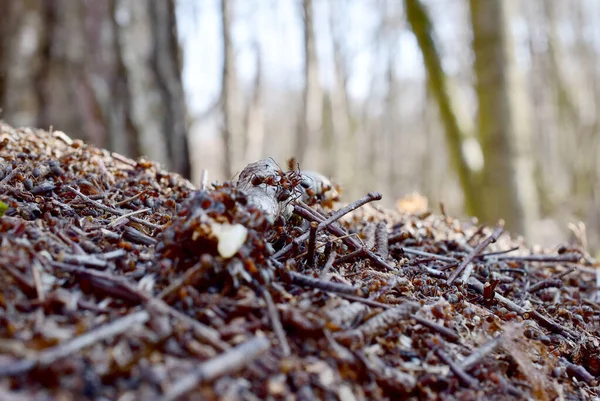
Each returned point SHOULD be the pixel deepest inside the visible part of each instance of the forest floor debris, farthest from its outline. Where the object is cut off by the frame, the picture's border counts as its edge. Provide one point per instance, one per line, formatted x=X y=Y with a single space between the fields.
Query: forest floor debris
x=123 y=281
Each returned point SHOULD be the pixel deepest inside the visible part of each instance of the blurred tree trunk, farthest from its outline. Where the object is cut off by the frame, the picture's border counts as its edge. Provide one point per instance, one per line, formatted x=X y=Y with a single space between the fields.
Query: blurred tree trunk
x=230 y=99
x=255 y=124
x=508 y=189
x=107 y=71
x=343 y=152
x=421 y=26
x=308 y=144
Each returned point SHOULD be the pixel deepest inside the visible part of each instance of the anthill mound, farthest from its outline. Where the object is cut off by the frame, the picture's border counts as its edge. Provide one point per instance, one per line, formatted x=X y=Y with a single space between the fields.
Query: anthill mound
x=119 y=280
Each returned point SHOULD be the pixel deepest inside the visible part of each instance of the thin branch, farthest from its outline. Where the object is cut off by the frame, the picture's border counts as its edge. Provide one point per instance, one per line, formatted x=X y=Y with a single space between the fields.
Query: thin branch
x=480 y=353
x=63 y=350
x=446 y=332
x=276 y=323
x=418 y=252
x=482 y=245
x=312 y=241
x=370 y=197
x=381 y=241
x=463 y=376
x=229 y=362
x=550 y=281
x=308 y=281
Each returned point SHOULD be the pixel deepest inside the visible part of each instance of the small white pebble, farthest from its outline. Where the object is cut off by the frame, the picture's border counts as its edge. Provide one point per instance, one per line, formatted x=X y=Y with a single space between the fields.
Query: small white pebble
x=230 y=238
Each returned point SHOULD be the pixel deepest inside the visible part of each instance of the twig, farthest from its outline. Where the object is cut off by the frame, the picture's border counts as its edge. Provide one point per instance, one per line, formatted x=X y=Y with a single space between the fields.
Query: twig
x=229 y=362
x=381 y=241
x=370 y=197
x=350 y=257
x=10 y=176
x=109 y=209
x=368 y=235
x=92 y=202
x=495 y=253
x=550 y=281
x=131 y=198
x=417 y=252
x=138 y=237
x=120 y=287
x=381 y=322
x=126 y=215
x=309 y=214
x=313 y=282
x=550 y=324
x=276 y=323
x=482 y=245
x=378 y=261
x=63 y=350
x=463 y=376
x=88 y=260
x=446 y=332
x=480 y=353
x=568 y=257
x=204 y=180
x=312 y=241
x=187 y=279
x=328 y=264
x=479 y=287
x=577 y=371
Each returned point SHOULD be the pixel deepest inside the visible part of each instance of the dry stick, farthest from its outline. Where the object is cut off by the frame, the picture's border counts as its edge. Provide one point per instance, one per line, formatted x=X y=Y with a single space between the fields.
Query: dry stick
x=480 y=353
x=312 y=241
x=109 y=209
x=88 y=260
x=542 y=320
x=417 y=252
x=362 y=252
x=227 y=363
x=378 y=261
x=381 y=241
x=21 y=280
x=475 y=234
x=187 y=278
x=128 y=215
x=463 y=376
x=380 y=322
x=444 y=331
x=350 y=257
x=482 y=245
x=577 y=371
x=366 y=301
x=11 y=175
x=495 y=253
x=51 y=355
x=368 y=235
x=134 y=197
x=117 y=253
x=203 y=331
x=313 y=282
x=309 y=214
x=398 y=237
x=550 y=281
x=276 y=322
x=328 y=264
x=370 y=197
x=568 y=257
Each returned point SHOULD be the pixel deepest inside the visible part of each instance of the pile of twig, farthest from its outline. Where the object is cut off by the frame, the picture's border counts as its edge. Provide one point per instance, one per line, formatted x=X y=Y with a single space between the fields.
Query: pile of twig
x=122 y=281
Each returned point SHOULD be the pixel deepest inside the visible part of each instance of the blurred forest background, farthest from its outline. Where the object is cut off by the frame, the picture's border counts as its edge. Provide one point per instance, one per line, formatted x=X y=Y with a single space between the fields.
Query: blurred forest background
x=491 y=107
